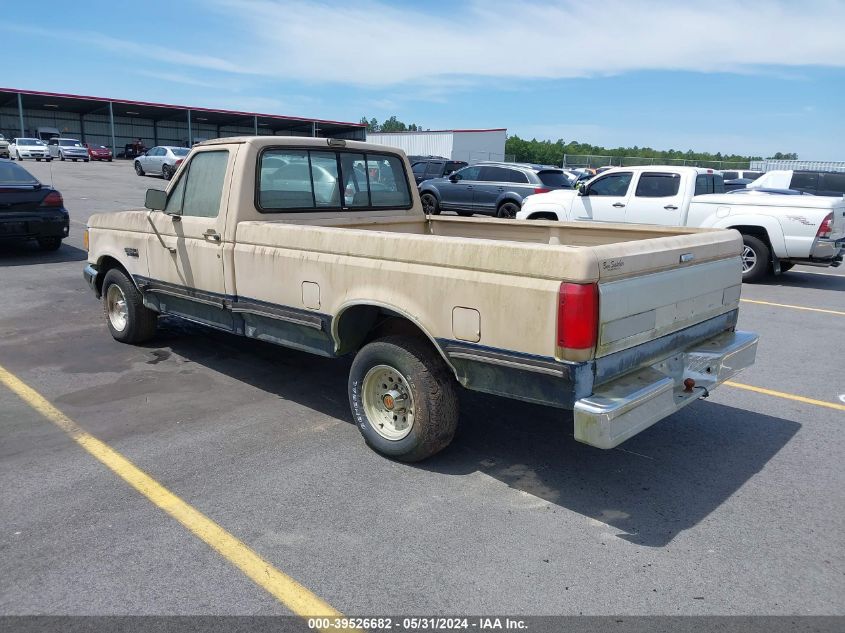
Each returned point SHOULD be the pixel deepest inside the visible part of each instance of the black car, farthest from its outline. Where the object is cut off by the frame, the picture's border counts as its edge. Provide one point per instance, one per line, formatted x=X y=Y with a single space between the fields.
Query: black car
x=29 y=210
x=434 y=167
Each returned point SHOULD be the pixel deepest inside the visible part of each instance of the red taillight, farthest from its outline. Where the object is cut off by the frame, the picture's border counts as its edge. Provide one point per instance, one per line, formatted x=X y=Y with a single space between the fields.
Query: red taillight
x=826 y=227
x=577 y=316
x=541 y=190
x=179 y=162
x=53 y=199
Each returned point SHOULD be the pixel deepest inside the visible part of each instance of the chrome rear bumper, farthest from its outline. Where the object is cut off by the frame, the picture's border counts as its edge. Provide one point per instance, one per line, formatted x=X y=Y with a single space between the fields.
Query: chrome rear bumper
x=620 y=409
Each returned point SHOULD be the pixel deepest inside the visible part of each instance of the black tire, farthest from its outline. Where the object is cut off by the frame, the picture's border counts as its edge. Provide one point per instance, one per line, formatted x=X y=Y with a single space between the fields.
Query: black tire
x=140 y=323
x=109 y=159
x=166 y=172
x=61 y=156
x=756 y=259
x=465 y=214
x=37 y=160
x=49 y=243
x=49 y=158
x=85 y=160
x=785 y=268
x=138 y=169
x=73 y=159
x=430 y=204
x=507 y=210
x=432 y=389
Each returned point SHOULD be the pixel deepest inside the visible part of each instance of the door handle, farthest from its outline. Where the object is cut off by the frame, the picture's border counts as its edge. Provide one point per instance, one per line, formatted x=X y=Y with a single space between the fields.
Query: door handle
x=618 y=205
x=671 y=207
x=469 y=187
x=211 y=234
x=501 y=188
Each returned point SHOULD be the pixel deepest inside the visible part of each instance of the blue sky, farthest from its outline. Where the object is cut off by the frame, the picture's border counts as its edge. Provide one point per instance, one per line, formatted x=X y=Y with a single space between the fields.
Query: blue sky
x=716 y=76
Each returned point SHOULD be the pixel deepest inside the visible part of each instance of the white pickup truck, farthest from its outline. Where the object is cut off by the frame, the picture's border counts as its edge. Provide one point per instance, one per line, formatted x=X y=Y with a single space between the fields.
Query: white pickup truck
x=322 y=246
x=778 y=231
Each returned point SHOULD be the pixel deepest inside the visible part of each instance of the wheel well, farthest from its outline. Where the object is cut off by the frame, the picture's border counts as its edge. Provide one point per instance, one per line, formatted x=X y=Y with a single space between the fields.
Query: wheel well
x=543 y=215
x=360 y=324
x=756 y=231
x=104 y=265
x=506 y=200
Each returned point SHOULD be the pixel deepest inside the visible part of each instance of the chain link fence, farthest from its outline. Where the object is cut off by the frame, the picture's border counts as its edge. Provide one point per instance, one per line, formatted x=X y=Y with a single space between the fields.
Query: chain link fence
x=593 y=161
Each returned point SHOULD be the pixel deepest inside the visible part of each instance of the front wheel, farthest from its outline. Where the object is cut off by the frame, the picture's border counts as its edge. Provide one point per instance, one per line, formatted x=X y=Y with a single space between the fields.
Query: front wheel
x=49 y=243
x=429 y=204
x=755 y=259
x=508 y=210
x=403 y=398
x=61 y=156
x=128 y=319
x=785 y=268
x=138 y=169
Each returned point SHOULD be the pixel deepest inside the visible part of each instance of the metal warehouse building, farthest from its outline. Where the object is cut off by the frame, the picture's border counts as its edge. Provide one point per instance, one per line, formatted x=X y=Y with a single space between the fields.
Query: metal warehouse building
x=468 y=145
x=117 y=122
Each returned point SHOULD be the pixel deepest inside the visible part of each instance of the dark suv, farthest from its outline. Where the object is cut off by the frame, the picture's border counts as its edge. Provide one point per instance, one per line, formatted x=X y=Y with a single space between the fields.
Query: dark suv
x=490 y=188
x=434 y=167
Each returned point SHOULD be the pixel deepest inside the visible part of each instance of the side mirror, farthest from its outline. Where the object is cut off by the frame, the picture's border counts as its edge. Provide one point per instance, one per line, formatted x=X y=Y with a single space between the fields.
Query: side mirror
x=582 y=190
x=156 y=199
x=454 y=177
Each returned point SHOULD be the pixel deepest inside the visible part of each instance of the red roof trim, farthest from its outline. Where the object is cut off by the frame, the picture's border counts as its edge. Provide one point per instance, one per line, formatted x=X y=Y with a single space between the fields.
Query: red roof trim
x=492 y=129
x=177 y=107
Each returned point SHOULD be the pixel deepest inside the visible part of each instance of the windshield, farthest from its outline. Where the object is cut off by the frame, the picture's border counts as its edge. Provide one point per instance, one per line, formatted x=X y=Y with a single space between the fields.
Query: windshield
x=554 y=178
x=14 y=174
x=69 y=142
x=29 y=141
x=180 y=151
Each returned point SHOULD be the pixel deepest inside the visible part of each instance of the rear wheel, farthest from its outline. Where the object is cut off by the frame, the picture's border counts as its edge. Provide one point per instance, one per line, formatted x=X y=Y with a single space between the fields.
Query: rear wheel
x=166 y=172
x=138 y=169
x=465 y=214
x=403 y=398
x=429 y=204
x=128 y=319
x=755 y=259
x=49 y=243
x=507 y=210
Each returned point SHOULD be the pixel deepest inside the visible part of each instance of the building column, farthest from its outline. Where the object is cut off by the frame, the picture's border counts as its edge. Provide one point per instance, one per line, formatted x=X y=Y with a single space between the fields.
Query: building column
x=155 y=131
x=255 y=121
x=82 y=127
x=111 y=125
x=314 y=129
x=20 y=114
x=190 y=132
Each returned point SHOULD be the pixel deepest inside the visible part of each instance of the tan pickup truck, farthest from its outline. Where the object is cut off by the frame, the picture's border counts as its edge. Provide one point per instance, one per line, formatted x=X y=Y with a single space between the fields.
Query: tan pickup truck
x=321 y=245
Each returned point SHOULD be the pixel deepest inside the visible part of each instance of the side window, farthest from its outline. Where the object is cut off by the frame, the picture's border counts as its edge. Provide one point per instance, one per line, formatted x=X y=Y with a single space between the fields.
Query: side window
x=453 y=166
x=198 y=192
x=418 y=169
x=469 y=173
x=612 y=185
x=832 y=184
x=730 y=175
x=752 y=175
x=434 y=170
x=805 y=181
x=512 y=175
x=657 y=185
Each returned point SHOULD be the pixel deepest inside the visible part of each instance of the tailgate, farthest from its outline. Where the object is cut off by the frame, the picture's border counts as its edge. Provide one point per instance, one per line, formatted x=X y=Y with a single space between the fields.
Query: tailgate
x=678 y=292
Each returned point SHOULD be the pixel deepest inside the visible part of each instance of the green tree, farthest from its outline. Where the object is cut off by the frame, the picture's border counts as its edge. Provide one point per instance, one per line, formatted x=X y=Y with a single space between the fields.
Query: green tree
x=390 y=125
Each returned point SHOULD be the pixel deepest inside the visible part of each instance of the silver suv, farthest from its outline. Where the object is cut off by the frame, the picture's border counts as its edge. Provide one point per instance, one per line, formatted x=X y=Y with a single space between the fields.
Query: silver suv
x=490 y=188
x=67 y=148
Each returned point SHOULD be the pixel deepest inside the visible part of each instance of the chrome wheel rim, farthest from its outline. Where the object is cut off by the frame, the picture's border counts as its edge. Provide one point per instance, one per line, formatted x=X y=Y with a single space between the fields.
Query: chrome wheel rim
x=116 y=308
x=428 y=204
x=749 y=259
x=388 y=402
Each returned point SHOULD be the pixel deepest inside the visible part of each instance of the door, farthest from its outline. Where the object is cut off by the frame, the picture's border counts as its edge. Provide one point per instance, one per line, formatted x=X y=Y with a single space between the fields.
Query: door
x=458 y=194
x=495 y=181
x=657 y=199
x=604 y=199
x=185 y=251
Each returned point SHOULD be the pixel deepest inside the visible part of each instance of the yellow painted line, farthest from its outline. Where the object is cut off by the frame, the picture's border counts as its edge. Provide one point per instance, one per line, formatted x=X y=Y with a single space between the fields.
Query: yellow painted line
x=786 y=305
x=788 y=396
x=281 y=586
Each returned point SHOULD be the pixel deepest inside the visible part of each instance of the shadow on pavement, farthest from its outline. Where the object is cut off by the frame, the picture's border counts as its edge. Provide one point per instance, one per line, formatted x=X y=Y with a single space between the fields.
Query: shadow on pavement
x=28 y=253
x=799 y=279
x=664 y=481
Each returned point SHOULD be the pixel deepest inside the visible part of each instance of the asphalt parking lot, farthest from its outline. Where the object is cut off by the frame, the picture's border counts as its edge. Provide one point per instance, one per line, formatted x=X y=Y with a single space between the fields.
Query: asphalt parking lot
x=732 y=506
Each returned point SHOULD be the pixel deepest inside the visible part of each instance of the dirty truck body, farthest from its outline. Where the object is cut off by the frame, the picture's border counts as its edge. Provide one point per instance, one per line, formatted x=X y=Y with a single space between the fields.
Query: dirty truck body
x=322 y=246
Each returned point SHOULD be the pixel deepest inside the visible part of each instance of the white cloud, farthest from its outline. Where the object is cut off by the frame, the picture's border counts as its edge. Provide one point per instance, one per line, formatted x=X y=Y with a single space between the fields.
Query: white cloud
x=377 y=44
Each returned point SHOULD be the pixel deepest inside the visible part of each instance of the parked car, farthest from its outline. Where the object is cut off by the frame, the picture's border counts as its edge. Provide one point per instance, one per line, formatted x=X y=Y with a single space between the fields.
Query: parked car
x=4 y=147
x=98 y=152
x=162 y=160
x=429 y=168
x=490 y=188
x=67 y=148
x=29 y=210
x=21 y=148
x=733 y=174
x=818 y=183
x=777 y=231
x=737 y=183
